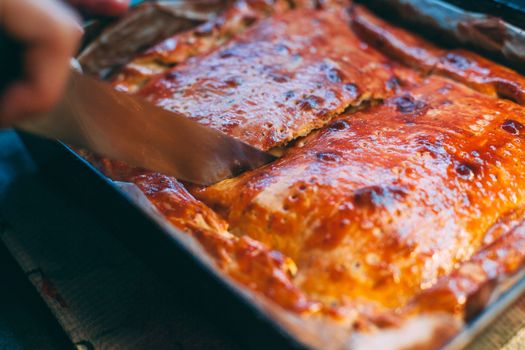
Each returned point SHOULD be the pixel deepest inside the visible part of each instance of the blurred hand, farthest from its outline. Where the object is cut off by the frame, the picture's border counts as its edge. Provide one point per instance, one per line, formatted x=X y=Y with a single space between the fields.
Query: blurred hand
x=50 y=32
x=101 y=7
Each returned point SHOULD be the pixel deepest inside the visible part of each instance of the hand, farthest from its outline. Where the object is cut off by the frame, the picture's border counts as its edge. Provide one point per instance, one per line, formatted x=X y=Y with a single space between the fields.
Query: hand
x=50 y=32
x=101 y=7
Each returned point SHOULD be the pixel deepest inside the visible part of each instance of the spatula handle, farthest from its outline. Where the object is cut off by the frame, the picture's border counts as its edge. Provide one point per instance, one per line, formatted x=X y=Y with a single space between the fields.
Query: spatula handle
x=11 y=60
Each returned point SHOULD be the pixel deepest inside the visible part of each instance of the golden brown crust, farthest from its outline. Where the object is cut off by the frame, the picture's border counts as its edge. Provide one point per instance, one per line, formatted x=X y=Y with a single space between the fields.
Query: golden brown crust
x=463 y=66
x=381 y=203
x=247 y=261
x=393 y=41
x=280 y=79
x=240 y=15
x=482 y=75
x=410 y=207
x=467 y=289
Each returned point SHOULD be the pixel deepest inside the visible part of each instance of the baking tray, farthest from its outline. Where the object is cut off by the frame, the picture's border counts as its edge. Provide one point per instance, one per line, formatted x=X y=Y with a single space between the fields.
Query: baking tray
x=149 y=240
x=158 y=245
x=181 y=263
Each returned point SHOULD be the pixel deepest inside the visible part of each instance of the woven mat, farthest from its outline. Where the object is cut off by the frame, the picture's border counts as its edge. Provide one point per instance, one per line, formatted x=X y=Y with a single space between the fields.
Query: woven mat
x=105 y=299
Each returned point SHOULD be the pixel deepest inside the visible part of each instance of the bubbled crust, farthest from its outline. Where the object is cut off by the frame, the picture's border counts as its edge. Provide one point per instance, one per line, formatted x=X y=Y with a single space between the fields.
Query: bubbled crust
x=379 y=204
x=238 y=16
x=397 y=210
x=280 y=79
x=247 y=261
x=461 y=65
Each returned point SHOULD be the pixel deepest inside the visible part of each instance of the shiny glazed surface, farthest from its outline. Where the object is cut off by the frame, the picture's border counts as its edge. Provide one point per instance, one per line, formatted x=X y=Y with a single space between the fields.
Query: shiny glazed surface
x=248 y=261
x=461 y=65
x=278 y=80
x=181 y=46
x=382 y=202
x=407 y=199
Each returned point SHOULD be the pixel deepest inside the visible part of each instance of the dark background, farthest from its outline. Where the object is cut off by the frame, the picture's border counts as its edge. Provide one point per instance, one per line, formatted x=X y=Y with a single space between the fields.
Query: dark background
x=25 y=321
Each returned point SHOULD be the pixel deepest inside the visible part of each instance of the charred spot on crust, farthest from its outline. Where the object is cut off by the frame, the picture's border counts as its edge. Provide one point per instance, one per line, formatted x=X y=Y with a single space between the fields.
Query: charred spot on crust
x=458 y=61
x=172 y=75
x=408 y=104
x=393 y=83
x=289 y=94
x=352 y=89
x=508 y=90
x=467 y=170
x=249 y=20
x=328 y=156
x=226 y=53
x=279 y=77
x=431 y=146
x=511 y=126
x=339 y=125
x=310 y=102
x=373 y=196
x=232 y=82
x=334 y=75
x=293 y=197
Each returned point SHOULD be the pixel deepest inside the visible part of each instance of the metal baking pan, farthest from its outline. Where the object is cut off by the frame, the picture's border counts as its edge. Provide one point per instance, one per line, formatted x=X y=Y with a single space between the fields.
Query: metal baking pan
x=182 y=263
x=159 y=245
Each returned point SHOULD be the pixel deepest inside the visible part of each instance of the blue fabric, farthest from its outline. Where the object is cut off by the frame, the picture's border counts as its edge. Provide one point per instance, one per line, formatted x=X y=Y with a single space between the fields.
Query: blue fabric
x=25 y=321
x=14 y=159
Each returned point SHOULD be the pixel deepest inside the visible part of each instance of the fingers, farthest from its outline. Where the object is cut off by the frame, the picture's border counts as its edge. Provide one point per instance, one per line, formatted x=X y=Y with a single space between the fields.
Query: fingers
x=46 y=76
x=51 y=34
x=102 y=7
